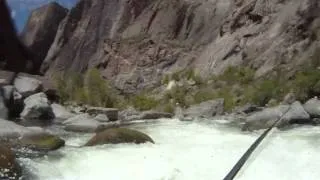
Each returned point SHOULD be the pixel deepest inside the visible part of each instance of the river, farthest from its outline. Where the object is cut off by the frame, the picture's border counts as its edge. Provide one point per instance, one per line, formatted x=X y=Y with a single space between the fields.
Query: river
x=202 y=150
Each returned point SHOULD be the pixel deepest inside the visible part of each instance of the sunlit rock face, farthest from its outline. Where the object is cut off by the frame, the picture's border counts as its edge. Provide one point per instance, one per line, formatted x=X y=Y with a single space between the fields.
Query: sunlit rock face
x=134 y=43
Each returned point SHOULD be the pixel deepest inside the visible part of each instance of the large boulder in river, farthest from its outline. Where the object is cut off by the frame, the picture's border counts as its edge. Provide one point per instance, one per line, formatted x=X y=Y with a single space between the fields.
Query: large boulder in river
x=9 y=168
x=313 y=107
x=111 y=113
x=41 y=30
x=294 y=114
x=27 y=86
x=265 y=118
x=37 y=107
x=206 y=109
x=119 y=135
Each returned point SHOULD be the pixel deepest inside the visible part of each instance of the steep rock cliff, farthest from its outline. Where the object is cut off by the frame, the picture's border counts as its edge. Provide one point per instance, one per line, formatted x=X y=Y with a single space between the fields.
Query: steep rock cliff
x=41 y=29
x=134 y=42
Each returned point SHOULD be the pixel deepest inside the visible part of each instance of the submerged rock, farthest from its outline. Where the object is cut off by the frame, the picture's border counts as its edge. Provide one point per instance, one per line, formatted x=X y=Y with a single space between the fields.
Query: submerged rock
x=119 y=135
x=37 y=107
x=9 y=168
x=111 y=113
x=206 y=109
x=42 y=142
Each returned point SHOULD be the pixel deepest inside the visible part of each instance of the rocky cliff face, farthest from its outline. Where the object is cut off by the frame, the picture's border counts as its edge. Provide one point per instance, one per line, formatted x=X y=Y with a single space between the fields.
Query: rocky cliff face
x=134 y=42
x=41 y=29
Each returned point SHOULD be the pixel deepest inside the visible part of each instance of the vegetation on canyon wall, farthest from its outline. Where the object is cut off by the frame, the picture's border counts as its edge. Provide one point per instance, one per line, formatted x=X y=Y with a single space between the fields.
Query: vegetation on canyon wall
x=237 y=85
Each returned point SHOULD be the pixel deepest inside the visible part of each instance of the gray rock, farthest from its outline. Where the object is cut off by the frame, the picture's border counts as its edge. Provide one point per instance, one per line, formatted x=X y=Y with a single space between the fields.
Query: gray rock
x=37 y=107
x=155 y=115
x=146 y=115
x=289 y=98
x=61 y=112
x=206 y=109
x=13 y=101
x=265 y=118
x=27 y=86
x=295 y=115
x=76 y=118
x=312 y=106
x=77 y=109
x=178 y=112
x=111 y=113
x=9 y=167
x=101 y=118
x=247 y=109
x=9 y=129
x=3 y=109
x=86 y=123
x=81 y=123
x=5 y=77
x=128 y=114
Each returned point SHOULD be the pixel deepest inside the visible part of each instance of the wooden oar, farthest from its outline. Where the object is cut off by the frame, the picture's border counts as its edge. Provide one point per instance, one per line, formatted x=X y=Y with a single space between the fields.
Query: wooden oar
x=236 y=168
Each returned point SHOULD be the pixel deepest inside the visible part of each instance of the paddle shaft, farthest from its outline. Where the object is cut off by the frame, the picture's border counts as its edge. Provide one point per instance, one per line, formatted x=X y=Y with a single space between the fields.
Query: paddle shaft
x=236 y=168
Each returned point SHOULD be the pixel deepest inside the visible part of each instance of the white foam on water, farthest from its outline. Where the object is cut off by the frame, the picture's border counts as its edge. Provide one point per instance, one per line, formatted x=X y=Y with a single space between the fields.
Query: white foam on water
x=188 y=151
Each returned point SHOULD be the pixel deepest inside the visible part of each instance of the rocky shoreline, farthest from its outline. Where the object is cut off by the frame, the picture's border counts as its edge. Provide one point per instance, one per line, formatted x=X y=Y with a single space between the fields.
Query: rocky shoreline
x=31 y=113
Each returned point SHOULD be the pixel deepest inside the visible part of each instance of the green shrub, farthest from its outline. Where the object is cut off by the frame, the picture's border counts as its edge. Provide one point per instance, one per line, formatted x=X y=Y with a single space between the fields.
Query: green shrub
x=176 y=76
x=204 y=95
x=307 y=84
x=60 y=84
x=229 y=98
x=242 y=75
x=177 y=95
x=143 y=103
x=169 y=108
x=97 y=90
x=262 y=91
x=166 y=79
x=91 y=89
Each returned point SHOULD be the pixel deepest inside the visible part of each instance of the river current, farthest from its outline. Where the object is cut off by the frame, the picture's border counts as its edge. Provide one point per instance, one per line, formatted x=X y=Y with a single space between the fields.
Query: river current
x=200 y=150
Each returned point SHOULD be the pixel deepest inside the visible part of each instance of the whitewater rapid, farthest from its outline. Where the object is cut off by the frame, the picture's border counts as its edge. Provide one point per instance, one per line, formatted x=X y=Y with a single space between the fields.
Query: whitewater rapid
x=186 y=151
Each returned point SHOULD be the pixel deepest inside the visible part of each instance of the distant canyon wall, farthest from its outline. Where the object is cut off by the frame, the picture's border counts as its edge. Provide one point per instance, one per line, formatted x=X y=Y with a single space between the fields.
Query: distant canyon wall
x=135 y=42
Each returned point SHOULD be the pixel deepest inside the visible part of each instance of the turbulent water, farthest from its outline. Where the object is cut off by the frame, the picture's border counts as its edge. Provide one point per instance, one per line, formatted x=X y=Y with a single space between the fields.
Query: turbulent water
x=186 y=151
